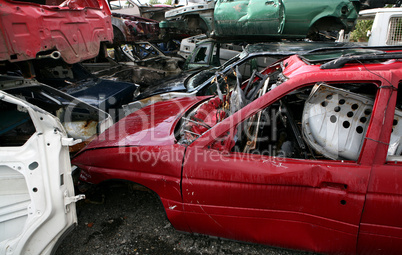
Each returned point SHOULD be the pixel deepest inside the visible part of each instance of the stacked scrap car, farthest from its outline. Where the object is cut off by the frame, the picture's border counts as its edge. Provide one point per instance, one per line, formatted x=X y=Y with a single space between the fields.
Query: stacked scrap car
x=297 y=151
x=59 y=37
x=140 y=62
x=283 y=18
x=257 y=19
x=136 y=8
x=193 y=19
x=73 y=30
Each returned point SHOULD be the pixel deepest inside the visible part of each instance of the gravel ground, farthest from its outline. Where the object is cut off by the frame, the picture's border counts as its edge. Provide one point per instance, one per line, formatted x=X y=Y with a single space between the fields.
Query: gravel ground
x=117 y=219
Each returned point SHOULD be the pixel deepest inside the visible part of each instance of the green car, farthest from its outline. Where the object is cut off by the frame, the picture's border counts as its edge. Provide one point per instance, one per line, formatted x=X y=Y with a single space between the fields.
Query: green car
x=283 y=18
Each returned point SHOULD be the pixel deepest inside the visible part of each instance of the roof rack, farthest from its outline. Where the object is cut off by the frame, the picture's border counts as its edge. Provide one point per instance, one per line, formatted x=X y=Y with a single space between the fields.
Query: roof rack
x=340 y=62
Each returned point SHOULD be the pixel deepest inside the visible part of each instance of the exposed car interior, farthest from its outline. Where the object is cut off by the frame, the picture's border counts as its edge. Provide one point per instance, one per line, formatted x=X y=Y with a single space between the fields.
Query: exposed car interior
x=318 y=121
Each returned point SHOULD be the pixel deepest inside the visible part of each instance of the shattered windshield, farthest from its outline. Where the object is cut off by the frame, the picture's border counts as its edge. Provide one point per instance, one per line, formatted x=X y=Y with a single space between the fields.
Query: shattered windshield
x=199 y=79
x=203 y=76
x=234 y=91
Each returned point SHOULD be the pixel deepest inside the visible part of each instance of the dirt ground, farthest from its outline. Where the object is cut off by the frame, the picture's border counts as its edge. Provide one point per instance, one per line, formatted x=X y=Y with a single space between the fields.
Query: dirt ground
x=117 y=219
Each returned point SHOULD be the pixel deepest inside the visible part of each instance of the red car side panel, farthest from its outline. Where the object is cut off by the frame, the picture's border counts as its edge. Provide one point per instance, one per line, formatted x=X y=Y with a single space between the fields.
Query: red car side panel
x=280 y=233
x=314 y=200
x=381 y=224
x=75 y=29
x=381 y=227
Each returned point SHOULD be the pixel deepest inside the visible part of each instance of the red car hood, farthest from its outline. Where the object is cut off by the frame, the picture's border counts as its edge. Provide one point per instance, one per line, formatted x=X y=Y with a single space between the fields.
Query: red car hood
x=151 y=125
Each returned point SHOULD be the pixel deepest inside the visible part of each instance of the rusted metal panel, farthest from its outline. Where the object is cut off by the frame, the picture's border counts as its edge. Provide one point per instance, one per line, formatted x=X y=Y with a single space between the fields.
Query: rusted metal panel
x=74 y=28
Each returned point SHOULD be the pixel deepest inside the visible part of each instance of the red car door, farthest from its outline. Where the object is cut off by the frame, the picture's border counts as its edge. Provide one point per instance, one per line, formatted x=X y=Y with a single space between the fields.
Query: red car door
x=381 y=225
x=293 y=202
x=302 y=205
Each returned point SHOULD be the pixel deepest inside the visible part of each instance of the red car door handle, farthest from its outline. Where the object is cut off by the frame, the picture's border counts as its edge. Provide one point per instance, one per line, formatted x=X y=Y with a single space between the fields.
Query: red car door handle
x=334 y=185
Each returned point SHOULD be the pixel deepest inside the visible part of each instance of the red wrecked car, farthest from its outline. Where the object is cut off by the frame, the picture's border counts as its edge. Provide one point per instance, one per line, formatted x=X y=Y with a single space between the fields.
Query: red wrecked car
x=72 y=30
x=305 y=154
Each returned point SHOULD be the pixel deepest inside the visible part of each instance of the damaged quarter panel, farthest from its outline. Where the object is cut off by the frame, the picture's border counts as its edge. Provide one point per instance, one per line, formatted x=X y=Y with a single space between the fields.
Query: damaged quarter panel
x=75 y=29
x=141 y=148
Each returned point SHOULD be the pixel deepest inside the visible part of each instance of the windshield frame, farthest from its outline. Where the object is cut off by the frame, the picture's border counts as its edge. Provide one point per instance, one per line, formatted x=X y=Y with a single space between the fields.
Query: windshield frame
x=222 y=69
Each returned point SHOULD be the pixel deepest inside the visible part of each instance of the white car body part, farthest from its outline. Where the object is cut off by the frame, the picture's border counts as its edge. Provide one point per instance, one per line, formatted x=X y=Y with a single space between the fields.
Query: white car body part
x=37 y=201
x=335 y=121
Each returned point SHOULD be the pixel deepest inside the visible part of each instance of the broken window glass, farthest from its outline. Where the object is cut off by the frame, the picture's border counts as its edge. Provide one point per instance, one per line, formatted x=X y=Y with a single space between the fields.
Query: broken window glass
x=201 y=57
x=229 y=101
